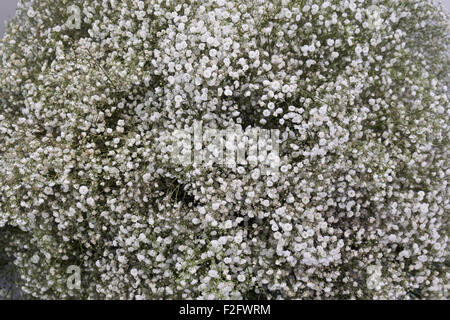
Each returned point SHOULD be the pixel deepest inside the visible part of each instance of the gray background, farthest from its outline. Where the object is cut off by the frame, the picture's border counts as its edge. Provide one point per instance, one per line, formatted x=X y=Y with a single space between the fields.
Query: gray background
x=8 y=7
x=7 y=10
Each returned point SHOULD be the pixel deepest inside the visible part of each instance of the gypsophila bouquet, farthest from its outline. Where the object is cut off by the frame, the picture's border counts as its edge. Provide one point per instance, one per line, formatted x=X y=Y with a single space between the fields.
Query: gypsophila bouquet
x=332 y=115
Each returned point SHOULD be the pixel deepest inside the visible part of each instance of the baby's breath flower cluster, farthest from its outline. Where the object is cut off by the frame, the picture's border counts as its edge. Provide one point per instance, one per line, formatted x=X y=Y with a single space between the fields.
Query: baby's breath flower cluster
x=358 y=207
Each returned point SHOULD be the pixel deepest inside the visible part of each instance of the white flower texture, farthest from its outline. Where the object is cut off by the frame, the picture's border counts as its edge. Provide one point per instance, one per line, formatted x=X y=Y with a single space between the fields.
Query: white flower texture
x=83 y=190
x=87 y=177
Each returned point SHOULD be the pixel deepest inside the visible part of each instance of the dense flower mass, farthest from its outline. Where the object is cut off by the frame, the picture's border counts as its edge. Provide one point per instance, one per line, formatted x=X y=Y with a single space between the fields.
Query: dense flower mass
x=358 y=208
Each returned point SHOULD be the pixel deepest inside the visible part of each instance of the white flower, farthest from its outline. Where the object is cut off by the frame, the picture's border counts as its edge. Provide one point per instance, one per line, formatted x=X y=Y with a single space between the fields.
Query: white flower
x=334 y=123
x=31 y=13
x=83 y=190
x=213 y=273
x=35 y=258
x=207 y=73
x=228 y=224
x=90 y=201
